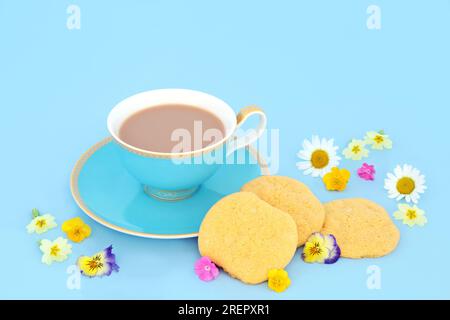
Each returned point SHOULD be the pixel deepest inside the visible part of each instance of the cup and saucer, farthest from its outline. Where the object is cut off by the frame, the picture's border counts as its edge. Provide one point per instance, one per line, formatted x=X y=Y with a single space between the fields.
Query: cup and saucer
x=165 y=195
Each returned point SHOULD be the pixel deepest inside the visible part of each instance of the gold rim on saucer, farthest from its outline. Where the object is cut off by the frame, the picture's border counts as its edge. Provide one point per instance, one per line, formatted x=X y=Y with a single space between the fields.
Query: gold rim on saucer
x=76 y=194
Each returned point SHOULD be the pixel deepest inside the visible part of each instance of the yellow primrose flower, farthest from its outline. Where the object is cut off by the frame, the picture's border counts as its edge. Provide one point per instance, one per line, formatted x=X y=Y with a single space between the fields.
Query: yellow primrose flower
x=378 y=140
x=316 y=249
x=278 y=280
x=411 y=215
x=57 y=250
x=337 y=179
x=76 y=229
x=356 y=150
x=41 y=224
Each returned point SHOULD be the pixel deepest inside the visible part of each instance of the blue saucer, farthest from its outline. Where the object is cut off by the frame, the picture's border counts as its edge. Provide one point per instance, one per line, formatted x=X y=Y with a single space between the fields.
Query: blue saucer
x=105 y=191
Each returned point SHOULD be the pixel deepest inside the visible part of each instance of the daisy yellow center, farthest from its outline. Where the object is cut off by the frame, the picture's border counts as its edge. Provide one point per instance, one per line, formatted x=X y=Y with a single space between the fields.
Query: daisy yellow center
x=95 y=263
x=320 y=159
x=378 y=139
x=411 y=214
x=356 y=149
x=41 y=223
x=406 y=185
x=315 y=249
x=54 y=250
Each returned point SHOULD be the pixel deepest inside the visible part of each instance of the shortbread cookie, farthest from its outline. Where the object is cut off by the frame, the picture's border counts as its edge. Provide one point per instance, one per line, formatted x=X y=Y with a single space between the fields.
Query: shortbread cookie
x=293 y=197
x=362 y=228
x=247 y=237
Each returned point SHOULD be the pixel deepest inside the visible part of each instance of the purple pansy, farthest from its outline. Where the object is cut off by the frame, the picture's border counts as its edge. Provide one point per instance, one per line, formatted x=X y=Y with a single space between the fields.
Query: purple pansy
x=100 y=264
x=110 y=259
x=321 y=248
x=334 y=250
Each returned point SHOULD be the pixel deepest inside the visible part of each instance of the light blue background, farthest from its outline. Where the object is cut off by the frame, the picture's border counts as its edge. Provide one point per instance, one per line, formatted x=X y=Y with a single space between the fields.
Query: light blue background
x=312 y=65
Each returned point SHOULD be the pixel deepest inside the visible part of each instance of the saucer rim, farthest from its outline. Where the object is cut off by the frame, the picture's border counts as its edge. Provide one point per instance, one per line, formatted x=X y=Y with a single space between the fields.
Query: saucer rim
x=79 y=201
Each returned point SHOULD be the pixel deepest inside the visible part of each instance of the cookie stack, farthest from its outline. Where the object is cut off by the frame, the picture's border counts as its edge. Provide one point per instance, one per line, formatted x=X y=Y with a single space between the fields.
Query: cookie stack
x=258 y=229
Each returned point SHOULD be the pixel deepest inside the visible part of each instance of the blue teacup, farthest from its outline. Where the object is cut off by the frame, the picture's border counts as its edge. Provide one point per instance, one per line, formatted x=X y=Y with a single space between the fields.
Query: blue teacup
x=176 y=176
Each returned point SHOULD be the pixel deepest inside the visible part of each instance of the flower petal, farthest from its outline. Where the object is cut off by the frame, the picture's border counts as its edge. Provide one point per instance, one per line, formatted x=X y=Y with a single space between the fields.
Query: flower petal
x=303 y=165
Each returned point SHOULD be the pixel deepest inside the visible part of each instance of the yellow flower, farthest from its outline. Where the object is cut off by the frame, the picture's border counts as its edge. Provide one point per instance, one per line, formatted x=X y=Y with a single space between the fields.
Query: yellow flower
x=100 y=264
x=76 y=229
x=278 y=280
x=316 y=249
x=356 y=150
x=321 y=248
x=57 y=250
x=41 y=224
x=337 y=179
x=378 y=140
x=411 y=215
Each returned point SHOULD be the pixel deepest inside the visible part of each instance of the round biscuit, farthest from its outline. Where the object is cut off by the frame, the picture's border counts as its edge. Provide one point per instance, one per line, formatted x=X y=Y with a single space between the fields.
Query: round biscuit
x=247 y=237
x=293 y=197
x=363 y=229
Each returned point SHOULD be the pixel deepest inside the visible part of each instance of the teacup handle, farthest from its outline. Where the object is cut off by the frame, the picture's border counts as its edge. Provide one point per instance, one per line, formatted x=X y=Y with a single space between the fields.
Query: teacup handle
x=252 y=135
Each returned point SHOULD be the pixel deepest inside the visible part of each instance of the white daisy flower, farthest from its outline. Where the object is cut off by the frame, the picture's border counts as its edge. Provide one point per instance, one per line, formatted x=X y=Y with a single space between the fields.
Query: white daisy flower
x=406 y=183
x=319 y=156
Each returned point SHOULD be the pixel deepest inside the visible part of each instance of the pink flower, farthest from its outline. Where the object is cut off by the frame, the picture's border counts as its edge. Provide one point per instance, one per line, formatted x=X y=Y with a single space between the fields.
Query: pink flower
x=206 y=269
x=367 y=172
